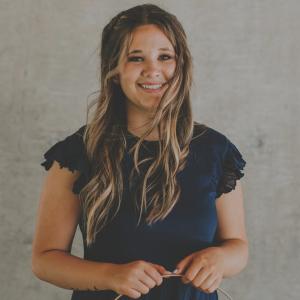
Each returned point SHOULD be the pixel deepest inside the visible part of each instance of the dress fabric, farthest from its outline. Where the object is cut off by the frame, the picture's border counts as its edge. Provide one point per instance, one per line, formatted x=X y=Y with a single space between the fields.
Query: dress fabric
x=213 y=165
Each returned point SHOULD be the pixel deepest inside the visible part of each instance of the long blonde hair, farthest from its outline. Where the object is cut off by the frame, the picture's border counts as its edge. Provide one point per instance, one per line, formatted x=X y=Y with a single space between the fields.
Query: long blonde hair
x=105 y=139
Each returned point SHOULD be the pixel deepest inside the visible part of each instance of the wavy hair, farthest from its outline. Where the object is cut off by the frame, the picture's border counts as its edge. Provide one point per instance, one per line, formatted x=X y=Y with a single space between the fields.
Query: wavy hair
x=105 y=133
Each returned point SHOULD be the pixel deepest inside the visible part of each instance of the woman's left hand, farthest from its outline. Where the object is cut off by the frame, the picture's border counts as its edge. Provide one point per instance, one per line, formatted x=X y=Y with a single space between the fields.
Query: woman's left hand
x=203 y=269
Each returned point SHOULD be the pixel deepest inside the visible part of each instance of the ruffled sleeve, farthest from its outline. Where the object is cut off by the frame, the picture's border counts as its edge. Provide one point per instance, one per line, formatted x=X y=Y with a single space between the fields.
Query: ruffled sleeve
x=232 y=166
x=70 y=153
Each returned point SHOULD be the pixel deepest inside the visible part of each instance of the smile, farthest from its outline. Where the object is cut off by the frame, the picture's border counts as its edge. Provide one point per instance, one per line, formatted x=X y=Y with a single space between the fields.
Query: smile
x=151 y=88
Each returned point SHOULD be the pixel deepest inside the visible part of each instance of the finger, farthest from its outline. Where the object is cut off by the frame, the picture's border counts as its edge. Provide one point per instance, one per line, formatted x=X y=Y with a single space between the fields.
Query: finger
x=132 y=293
x=154 y=275
x=201 y=278
x=141 y=286
x=214 y=285
x=207 y=282
x=191 y=272
x=184 y=264
x=161 y=269
x=148 y=280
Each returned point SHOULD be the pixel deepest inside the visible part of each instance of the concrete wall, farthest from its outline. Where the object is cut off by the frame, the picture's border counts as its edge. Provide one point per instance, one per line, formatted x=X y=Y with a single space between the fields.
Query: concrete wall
x=246 y=85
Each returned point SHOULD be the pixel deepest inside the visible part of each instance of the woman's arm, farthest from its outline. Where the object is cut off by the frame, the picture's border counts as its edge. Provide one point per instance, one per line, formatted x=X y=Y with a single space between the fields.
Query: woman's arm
x=231 y=230
x=71 y=272
x=57 y=220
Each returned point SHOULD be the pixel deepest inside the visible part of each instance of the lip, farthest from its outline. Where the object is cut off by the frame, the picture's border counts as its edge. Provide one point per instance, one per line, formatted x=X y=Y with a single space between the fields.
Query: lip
x=152 y=83
x=149 y=90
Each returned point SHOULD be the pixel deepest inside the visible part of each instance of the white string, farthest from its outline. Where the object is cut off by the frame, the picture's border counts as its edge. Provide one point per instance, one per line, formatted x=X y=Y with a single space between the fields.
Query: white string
x=178 y=275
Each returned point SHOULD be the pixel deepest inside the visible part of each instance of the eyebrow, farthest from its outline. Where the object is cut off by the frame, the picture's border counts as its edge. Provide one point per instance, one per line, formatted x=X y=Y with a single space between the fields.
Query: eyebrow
x=139 y=51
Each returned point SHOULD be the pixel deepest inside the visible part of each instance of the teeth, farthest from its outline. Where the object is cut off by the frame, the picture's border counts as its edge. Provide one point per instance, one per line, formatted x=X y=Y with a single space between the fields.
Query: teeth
x=153 y=87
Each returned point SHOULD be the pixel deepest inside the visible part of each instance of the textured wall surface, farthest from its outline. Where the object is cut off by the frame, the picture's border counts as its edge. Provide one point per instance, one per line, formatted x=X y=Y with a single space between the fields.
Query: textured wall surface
x=246 y=85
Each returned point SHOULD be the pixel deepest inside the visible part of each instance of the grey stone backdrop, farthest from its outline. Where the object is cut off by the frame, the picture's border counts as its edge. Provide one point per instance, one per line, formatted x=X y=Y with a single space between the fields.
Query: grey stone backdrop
x=246 y=85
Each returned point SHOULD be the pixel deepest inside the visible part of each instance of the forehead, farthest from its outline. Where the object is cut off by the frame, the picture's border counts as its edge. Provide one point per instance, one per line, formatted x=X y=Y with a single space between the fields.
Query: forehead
x=149 y=36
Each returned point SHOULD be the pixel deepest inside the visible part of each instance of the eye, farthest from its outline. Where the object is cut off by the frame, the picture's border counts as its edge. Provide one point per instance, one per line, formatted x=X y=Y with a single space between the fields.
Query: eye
x=165 y=55
x=136 y=58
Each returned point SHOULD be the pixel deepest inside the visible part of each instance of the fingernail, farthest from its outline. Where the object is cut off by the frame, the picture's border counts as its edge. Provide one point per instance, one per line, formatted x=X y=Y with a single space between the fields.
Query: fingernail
x=175 y=271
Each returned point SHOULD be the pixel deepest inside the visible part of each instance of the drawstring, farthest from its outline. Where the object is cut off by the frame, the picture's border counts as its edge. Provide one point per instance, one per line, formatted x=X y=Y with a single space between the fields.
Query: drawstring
x=178 y=275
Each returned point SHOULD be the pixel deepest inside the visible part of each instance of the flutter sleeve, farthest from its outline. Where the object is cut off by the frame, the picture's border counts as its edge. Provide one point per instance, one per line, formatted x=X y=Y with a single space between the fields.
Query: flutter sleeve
x=70 y=153
x=232 y=166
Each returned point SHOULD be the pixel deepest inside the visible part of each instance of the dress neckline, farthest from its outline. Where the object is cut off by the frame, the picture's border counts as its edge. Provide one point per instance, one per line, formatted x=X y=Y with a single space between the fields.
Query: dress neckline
x=135 y=137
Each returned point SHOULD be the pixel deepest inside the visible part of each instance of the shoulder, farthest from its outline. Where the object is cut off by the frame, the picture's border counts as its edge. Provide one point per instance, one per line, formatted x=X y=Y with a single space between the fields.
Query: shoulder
x=212 y=146
x=205 y=136
x=68 y=151
x=77 y=135
x=73 y=143
x=81 y=130
x=210 y=142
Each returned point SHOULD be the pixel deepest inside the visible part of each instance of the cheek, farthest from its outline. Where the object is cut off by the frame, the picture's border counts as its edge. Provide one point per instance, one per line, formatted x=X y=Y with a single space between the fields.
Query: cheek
x=128 y=81
x=170 y=70
x=130 y=72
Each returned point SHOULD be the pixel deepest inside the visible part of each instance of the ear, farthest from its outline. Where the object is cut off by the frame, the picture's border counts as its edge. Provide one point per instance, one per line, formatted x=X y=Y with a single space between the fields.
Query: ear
x=116 y=79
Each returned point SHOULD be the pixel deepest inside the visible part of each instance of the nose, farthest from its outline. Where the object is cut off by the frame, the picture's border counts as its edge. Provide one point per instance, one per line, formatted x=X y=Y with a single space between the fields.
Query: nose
x=151 y=69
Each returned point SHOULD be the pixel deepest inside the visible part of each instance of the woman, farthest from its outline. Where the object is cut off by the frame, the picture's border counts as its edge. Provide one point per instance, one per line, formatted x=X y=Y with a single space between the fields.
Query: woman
x=151 y=189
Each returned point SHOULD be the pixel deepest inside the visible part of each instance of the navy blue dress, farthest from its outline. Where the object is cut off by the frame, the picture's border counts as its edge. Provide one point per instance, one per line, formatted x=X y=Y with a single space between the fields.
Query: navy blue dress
x=213 y=166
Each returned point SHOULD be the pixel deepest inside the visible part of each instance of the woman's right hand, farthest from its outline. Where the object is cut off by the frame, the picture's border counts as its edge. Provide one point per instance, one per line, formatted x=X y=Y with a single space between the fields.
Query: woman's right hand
x=135 y=278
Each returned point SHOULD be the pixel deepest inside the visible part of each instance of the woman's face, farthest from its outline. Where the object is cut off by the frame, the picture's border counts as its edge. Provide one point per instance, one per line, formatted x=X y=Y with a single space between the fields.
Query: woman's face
x=150 y=62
